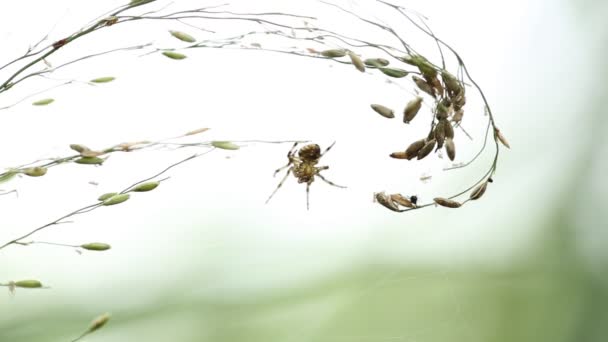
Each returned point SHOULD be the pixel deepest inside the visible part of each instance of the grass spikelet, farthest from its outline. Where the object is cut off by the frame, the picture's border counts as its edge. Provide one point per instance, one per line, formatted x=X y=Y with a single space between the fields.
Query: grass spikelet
x=184 y=37
x=384 y=111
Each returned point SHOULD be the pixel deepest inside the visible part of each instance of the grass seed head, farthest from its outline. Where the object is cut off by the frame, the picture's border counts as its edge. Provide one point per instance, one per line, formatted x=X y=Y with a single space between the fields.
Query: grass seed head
x=144 y=187
x=89 y=161
x=116 y=199
x=501 y=138
x=384 y=111
x=426 y=150
x=28 y=284
x=394 y=72
x=422 y=85
x=225 y=145
x=411 y=109
x=35 y=171
x=479 y=191
x=376 y=62
x=184 y=37
x=357 y=62
x=412 y=150
x=99 y=322
x=399 y=155
x=386 y=201
x=402 y=200
x=333 y=53
x=174 y=55
x=448 y=203
x=96 y=246
x=106 y=196
x=450 y=148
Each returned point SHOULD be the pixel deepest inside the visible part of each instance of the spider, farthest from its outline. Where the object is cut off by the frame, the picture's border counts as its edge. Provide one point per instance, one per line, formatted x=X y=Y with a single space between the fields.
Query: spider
x=304 y=167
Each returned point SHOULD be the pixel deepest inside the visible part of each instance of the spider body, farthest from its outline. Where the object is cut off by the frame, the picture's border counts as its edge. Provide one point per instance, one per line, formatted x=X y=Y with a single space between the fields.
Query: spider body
x=304 y=167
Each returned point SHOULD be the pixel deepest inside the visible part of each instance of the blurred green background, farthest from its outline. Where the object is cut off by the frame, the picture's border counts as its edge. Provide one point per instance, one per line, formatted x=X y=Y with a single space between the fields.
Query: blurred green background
x=551 y=286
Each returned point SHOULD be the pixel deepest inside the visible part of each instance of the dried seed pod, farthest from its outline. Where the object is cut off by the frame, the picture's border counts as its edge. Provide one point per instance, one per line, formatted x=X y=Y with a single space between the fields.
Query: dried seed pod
x=457 y=117
x=103 y=79
x=174 y=55
x=196 y=131
x=444 y=202
x=479 y=191
x=428 y=147
x=36 y=171
x=449 y=130
x=357 y=62
x=412 y=150
x=399 y=155
x=89 y=161
x=96 y=246
x=116 y=199
x=440 y=133
x=43 y=102
x=225 y=145
x=386 y=201
x=28 y=284
x=450 y=148
x=501 y=138
x=98 y=322
x=376 y=62
x=79 y=148
x=394 y=72
x=384 y=111
x=144 y=187
x=411 y=109
x=106 y=196
x=402 y=200
x=422 y=85
x=182 y=36
x=333 y=53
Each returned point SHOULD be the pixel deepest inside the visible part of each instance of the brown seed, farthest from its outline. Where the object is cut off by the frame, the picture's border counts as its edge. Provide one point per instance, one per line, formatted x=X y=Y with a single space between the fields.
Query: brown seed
x=399 y=155
x=357 y=62
x=449 y=130
x=440 y=133
x=479 y=191
x=450 y=148
x=435 y=83
x=402 y=200
x=444 y=202
x=412 y=150
x=441 y=112
x=501 y=138
x=428 y=147
x=425 y=87
x=384 y=111
x=386 y=201
x=411 y=109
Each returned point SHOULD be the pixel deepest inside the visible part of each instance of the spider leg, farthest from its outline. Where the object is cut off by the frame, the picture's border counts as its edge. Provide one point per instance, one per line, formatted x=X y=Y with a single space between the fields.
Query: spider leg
x=327 y=149
x=328 y=181
x=279 y=186
x=308 y=195
x=289 y=156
